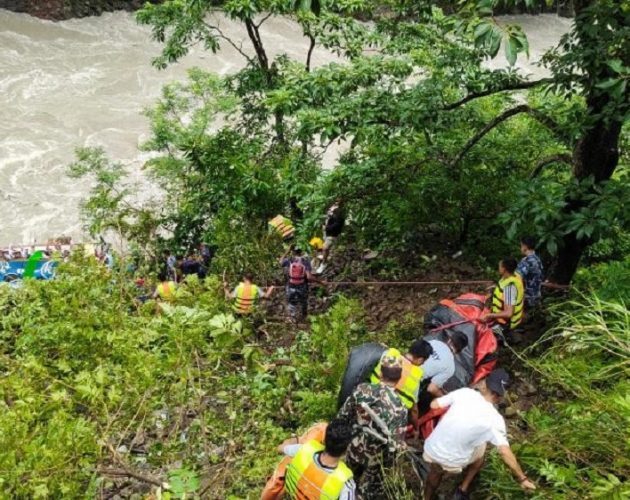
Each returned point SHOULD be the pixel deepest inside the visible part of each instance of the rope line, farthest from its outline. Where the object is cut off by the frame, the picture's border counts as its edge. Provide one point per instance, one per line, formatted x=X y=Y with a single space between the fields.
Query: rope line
x=407 y=283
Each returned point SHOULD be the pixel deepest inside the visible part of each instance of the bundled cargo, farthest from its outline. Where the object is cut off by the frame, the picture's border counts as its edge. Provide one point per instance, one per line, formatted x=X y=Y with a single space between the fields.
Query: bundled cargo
x=462 y=314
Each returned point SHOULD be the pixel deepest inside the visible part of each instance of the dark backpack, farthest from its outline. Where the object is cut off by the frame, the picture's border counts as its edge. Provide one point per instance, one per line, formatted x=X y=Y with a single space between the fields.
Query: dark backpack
x=297 y=272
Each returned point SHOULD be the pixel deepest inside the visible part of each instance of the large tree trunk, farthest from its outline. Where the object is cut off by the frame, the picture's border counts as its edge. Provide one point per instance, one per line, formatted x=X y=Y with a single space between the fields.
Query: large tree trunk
x=595 y=154
x=565 y=8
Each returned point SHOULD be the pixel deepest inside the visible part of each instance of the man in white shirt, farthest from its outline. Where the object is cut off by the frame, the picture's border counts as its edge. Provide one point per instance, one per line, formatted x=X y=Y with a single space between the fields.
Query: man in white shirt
x=459 y=440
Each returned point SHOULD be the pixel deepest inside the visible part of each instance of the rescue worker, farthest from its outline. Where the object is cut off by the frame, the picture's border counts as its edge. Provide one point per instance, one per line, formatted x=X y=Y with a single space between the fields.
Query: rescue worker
x=440 y=366
x=368 y=455
x=297 y=270
x=408 y=387
x=507 y=301
x=165 y=289
x=333 y=226
x=282 y=226
x=530 y=269
x=170 y=263
x=459 y=440
x=317 y=470
x=274 y=489
x=246 y=295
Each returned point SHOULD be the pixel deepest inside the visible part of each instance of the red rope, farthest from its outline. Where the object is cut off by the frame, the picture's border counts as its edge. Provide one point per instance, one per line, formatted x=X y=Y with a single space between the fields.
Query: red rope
x=407 y=283
x=450 y=325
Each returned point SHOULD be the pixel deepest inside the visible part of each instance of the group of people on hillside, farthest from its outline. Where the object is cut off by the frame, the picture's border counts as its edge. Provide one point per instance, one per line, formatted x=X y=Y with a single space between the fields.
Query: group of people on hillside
x=296 y=265
x=349 y=457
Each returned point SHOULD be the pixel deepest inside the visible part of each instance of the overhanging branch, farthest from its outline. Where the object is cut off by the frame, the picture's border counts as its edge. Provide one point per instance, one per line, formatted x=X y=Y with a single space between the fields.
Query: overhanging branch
x=485 y=93
x=222 y=36
x=559 y=158
x=523 y=108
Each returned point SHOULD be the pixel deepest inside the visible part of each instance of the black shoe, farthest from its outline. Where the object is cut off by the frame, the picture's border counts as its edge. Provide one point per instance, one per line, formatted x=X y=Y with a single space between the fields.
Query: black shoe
x=501 y=340
x=461 y=495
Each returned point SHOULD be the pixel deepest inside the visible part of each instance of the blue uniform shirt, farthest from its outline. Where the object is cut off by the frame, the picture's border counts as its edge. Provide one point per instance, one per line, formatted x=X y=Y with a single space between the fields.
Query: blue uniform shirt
x=531 y=270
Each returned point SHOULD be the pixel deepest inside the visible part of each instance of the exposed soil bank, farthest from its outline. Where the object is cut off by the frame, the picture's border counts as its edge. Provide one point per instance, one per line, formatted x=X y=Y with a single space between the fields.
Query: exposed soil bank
x=57 y=10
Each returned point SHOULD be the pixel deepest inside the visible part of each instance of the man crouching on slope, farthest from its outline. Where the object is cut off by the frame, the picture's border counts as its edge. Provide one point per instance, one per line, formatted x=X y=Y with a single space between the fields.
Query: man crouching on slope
x=459 y=440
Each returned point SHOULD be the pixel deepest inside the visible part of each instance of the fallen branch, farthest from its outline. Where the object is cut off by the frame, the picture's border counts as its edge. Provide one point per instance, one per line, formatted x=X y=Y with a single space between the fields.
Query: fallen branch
x=130 y=473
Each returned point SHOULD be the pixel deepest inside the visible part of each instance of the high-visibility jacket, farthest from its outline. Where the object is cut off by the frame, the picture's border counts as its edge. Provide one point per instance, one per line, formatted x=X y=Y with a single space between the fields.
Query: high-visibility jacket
x=283 y=226
x=166 y=290
x=498 y=301
x=245 y=297
x=410 y=378
x=305 y=480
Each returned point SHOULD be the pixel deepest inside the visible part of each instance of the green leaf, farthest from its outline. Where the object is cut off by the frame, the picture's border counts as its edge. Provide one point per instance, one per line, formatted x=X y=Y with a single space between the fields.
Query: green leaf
x=481 y=31
x=609 y=83
x=511 y=50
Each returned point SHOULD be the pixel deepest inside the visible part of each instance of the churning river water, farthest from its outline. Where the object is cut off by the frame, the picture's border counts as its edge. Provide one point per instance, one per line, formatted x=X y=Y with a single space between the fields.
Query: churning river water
x=86 y=82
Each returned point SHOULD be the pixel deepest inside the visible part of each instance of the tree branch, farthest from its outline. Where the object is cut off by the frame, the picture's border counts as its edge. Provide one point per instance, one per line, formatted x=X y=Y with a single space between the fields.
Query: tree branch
x=523 y=108
x=263 y=20
x=485 y=93
x=221 y=35
x=254 y=36
x=310 y=52
x=559 y=158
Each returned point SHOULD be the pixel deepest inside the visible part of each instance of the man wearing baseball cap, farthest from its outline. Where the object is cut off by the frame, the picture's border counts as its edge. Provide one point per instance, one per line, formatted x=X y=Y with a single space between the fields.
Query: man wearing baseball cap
x=459 y=440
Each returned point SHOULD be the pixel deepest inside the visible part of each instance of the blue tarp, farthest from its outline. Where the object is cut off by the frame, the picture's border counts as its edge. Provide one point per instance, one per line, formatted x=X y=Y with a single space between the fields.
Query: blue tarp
x=15 y=269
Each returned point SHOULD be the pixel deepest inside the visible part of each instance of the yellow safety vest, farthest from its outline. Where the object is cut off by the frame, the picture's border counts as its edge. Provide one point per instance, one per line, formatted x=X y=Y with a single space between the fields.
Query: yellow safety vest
x=410 y=378
x=498 y=302
x=246 y=295
x=283 y=226
x=305 y=480
x=166 y=290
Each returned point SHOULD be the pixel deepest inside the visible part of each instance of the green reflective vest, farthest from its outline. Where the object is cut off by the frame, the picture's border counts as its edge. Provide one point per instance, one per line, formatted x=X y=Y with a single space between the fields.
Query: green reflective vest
x=409 y=383
x=498 y=302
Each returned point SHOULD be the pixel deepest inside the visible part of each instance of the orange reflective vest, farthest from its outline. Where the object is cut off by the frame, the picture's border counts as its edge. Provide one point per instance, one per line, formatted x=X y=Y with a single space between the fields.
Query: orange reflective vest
x=245 y=297
x=166 y=290
x=283 y=226
x=305 y=480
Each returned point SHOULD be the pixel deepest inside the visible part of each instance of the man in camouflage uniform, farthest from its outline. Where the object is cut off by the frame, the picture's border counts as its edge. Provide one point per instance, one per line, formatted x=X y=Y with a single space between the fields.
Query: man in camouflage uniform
x=367 y=455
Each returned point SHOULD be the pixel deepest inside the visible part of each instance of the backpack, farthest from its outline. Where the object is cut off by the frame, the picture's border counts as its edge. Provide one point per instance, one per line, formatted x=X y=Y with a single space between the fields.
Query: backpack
x=297 y=272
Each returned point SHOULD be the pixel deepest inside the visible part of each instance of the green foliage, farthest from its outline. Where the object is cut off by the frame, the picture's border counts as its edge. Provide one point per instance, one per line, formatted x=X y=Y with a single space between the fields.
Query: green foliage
x=540 y=208
x=85 y=372
x=611 y=280
x=182 y=482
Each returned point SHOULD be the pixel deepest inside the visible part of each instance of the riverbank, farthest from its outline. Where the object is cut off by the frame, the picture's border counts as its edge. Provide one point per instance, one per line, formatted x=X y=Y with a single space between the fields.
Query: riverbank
x=57 y=10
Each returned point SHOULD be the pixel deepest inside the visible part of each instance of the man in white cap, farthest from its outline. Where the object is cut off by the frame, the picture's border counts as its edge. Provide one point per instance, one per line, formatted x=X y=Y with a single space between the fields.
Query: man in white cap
x=459 y=440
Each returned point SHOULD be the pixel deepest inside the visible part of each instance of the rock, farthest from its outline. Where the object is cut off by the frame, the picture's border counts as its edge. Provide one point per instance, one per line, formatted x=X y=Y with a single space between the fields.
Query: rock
x=122 y=449
x=511 y=412
x=530 y=390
